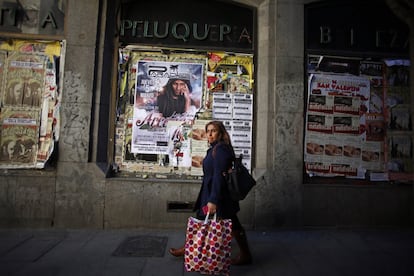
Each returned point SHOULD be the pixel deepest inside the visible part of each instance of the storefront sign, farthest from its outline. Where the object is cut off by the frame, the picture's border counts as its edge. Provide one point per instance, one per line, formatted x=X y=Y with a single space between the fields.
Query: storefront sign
x=212 y=24
x=37 y=17
x=355 y=26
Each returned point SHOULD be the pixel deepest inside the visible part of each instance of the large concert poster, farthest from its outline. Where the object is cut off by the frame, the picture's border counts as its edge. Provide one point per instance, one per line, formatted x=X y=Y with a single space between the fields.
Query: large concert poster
x=165 y=91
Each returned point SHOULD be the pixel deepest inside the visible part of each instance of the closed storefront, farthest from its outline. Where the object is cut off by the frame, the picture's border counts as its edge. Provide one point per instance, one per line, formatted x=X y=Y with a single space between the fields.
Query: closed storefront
x=316 y=96
x=358 y=131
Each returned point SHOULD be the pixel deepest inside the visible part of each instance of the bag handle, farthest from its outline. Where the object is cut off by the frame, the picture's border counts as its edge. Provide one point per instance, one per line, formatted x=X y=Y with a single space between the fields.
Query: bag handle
x=214 y=217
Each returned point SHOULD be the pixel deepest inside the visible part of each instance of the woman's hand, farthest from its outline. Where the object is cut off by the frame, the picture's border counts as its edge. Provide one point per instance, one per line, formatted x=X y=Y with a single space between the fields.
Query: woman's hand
x=186 y=93
x=212 y=208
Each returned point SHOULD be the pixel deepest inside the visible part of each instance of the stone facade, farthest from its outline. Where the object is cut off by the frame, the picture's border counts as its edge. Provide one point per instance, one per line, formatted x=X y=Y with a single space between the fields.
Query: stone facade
x=78 y=194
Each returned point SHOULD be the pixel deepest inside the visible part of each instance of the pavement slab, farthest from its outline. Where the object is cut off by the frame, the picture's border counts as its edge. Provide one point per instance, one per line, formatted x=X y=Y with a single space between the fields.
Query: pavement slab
x=285 y=252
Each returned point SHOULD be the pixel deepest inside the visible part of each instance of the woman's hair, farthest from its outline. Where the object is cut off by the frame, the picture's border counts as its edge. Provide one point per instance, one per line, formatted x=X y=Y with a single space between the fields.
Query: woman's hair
x=170 y=104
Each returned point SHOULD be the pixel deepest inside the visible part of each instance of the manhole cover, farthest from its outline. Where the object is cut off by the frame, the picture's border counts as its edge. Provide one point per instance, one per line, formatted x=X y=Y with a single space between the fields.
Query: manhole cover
x=142 y=246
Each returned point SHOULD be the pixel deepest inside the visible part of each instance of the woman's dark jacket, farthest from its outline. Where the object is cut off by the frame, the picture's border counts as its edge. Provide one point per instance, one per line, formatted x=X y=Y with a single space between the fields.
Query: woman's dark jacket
x=213 y=188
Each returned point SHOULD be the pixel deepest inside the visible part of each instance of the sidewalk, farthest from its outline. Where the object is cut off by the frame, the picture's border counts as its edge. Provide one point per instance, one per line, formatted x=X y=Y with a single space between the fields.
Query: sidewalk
x=281 y=252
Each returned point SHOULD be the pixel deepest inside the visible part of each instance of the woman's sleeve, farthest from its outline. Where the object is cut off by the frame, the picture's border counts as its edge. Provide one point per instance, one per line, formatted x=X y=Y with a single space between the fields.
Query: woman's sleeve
x=222 y=160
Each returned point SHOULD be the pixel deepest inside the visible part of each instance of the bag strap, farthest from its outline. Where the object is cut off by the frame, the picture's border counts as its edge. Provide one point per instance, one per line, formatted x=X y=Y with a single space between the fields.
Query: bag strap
x=214 y=217
x=237 y=160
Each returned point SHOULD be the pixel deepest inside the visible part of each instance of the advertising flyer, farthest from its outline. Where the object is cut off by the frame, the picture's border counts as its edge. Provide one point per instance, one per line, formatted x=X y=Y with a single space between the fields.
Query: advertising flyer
x=199 y=146
x=173 y=89
x=243 y=106
x=149 y=133
x=398 y=107
x=375 y=127
x=339 y=85
x=222 y=106
x=172 y=95
x=241 y=133
x=336 y=125
x=230 y=73
x=165 y=91
x=373 y=156
x=401 y=153
x=19 y=137
x=25 y=80
x=179 y=144
x=30 y=73
x=321 y=103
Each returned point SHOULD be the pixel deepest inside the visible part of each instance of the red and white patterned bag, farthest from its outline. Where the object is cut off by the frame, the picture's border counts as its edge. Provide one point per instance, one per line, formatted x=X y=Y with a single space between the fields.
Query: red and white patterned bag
x=208 y=246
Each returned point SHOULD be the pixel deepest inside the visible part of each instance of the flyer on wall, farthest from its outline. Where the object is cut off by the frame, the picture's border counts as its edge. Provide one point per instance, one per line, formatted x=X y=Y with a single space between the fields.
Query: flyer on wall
x=19 y=137
x=336 y=124
x=165 y=91
x=199 y=146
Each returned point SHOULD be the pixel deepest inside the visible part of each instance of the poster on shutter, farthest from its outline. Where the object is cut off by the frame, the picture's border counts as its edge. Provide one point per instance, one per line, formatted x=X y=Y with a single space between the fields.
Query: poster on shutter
x=24 y=79
x=401 y=153
x=321 y=103
x=179 y=144
x=165 y=91
x=222 y=106
x=348 y=125
x=19 y=137
x=338 y=85
x=230 y=73
x=336 y=125
x=241 y=133
x=149 y=133
x=373 y=156
x=375 y=126
x=199 y=146
x=173 y=89
x=243 y=106
x=319 y=123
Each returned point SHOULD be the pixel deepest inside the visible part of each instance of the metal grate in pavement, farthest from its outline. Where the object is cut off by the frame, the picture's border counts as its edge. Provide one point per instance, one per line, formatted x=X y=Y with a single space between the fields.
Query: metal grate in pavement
x=142 y=246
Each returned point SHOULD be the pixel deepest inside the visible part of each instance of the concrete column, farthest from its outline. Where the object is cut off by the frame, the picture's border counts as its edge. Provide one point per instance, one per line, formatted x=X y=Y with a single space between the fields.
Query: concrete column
x=79 y=192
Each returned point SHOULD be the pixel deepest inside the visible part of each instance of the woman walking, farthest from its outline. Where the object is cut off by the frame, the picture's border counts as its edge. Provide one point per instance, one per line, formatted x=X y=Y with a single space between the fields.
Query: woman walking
x=214 y=196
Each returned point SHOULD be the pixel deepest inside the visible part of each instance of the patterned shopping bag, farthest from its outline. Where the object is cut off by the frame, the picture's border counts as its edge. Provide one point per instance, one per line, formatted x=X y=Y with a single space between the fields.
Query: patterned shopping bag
x=208 y=246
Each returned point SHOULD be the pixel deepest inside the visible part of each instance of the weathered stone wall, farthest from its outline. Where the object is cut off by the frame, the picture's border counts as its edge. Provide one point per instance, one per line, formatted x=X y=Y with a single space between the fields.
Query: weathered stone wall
x=79 y=185
x=357 y=206
x=279 y=128
x=27 y=199
x=77 y=194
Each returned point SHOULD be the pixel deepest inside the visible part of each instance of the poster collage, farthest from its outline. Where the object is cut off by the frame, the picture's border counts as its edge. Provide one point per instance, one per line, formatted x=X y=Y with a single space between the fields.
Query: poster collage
x=165 y=101
x=30 y=99
x=358 y=119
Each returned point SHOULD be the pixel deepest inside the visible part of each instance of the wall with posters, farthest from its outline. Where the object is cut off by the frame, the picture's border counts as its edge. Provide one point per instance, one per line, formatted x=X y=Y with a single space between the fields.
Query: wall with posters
x=355 y=124
x=30 y=102
x=355 y=152
x=158 y=134
x=45 y=136
x=103 y=179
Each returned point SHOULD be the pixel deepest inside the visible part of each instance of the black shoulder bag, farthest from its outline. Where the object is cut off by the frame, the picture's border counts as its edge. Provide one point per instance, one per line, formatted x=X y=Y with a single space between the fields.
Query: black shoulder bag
x=239 y=180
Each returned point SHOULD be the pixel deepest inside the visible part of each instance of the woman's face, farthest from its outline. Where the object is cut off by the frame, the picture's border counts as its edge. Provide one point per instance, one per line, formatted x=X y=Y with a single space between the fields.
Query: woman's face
x=10 y=149
x=18 y=90
x=179 y=87
x=212 y=133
